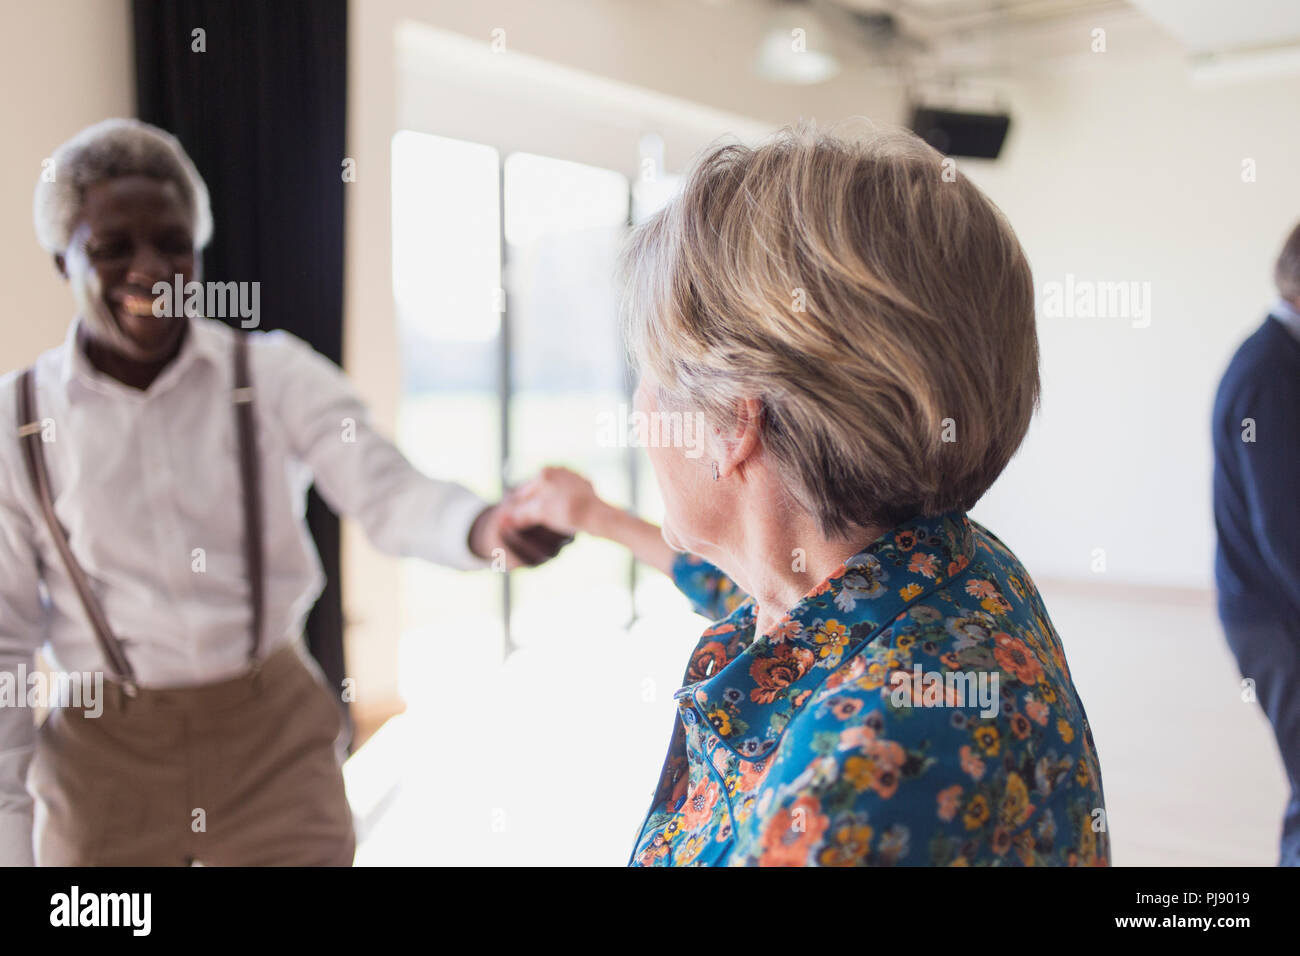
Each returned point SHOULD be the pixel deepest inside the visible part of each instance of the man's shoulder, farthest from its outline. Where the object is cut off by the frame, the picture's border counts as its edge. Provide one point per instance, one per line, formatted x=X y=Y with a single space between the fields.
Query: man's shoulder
x=1269 y=349
x=277 y=348
x=215 y=331
x=9 y=419
x=48 y=367
x=1266 y=364
x=281 y=364
x=9 y=393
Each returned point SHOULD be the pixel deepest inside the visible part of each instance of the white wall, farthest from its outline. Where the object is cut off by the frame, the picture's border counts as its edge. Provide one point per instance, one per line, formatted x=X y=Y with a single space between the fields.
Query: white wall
x=1120 y=169
x=64 y=64
x=1117 y=169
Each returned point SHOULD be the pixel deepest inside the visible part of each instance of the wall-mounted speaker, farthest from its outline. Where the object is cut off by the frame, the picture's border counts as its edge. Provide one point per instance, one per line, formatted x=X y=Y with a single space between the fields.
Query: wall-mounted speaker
x=977 y=135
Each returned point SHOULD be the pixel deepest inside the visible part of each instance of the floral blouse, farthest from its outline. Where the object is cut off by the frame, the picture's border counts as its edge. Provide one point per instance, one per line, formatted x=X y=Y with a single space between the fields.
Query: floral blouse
x=915 y=708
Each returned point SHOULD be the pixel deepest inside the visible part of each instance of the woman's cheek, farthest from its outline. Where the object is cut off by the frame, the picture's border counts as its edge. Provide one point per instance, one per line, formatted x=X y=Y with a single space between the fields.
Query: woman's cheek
x=682 y=499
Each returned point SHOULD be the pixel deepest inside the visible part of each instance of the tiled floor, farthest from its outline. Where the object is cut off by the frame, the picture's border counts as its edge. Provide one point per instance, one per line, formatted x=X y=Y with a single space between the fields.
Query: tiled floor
x=550 y=758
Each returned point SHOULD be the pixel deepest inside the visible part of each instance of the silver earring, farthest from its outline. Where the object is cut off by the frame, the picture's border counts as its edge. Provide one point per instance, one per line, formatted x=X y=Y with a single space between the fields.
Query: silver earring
x=715 y=471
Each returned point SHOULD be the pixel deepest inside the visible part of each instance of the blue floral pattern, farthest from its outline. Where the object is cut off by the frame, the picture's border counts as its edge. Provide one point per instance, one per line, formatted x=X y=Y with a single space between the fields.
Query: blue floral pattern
x=847 y=735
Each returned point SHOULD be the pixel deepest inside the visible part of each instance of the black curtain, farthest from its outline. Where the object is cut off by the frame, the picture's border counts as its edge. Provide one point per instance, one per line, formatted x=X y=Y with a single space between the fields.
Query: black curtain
x=256 y=93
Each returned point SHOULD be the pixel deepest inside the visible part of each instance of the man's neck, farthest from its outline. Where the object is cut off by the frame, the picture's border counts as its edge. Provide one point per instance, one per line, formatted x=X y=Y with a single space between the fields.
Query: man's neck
x=130 y=372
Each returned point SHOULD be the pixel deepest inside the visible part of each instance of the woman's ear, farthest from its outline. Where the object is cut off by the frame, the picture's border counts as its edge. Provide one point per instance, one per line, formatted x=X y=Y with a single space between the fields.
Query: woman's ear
x=745 y=439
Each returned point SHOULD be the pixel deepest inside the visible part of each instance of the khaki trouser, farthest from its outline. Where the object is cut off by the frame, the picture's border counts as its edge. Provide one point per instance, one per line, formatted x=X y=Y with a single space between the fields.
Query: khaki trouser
x=243 y=772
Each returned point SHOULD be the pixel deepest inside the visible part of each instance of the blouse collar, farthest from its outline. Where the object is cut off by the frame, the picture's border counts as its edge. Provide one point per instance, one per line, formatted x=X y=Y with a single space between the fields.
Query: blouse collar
x=771 y=679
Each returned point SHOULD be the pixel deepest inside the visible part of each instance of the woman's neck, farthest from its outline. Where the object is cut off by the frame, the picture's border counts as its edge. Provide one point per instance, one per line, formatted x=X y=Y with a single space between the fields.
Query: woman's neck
x=781 y=554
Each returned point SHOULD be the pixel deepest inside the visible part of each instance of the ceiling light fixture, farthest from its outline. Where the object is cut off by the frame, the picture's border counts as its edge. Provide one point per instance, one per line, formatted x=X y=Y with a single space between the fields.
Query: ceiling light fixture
x=795 y=47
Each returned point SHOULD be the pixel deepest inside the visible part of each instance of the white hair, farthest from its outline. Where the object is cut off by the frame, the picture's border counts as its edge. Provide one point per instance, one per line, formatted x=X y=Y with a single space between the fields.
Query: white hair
x=108 y=150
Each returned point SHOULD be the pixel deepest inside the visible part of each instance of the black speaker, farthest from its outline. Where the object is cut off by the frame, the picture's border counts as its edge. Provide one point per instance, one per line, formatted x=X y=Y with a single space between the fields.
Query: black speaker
x=978 y=135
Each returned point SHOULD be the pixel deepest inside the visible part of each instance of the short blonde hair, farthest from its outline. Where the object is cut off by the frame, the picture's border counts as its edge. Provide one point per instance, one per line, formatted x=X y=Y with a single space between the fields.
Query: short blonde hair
x=865 y=296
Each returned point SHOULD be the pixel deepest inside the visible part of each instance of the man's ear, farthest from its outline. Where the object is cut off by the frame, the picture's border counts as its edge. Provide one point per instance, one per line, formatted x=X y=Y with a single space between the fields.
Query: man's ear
x=61 y=264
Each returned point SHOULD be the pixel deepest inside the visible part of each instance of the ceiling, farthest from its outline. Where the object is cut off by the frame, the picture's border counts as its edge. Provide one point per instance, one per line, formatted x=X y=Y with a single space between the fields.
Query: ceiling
x=1215 y=26
x=970 y=38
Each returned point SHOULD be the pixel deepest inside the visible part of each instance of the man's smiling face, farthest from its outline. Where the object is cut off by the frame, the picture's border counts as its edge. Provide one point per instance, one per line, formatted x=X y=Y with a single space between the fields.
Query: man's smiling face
x=134 y=231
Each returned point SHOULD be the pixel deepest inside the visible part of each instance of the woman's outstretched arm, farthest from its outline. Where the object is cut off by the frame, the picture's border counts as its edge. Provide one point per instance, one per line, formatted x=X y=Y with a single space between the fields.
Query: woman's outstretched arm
x=566 y=501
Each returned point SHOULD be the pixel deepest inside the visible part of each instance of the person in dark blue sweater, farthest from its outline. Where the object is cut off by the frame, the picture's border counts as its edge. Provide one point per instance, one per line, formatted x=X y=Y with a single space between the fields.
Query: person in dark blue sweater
x=1257 y=518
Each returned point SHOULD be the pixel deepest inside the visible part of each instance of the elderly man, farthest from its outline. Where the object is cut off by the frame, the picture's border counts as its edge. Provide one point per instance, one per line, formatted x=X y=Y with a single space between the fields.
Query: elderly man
x=1257 y=516
x=152 y=530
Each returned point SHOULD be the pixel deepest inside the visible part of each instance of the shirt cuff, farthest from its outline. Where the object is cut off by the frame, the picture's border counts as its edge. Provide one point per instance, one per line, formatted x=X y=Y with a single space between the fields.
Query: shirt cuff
x=456 y=520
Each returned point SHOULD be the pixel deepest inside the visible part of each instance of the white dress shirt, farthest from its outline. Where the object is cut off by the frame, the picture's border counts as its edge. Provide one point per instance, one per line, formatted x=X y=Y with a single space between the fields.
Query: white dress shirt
x=142 y=480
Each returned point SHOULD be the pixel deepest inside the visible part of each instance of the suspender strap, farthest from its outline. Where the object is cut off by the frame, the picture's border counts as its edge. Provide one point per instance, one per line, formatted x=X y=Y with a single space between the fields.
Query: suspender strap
x=250 y=480
x=29 y=431
x=29 y=434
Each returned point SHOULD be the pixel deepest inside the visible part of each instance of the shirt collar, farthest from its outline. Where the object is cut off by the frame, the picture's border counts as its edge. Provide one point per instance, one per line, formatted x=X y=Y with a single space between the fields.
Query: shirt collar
x=752 y=698
x=1286 y=313
x=203 y=343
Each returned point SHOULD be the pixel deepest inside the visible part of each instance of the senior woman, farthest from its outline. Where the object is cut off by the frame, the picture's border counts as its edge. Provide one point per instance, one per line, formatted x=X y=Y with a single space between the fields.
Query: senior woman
x=885 y=685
